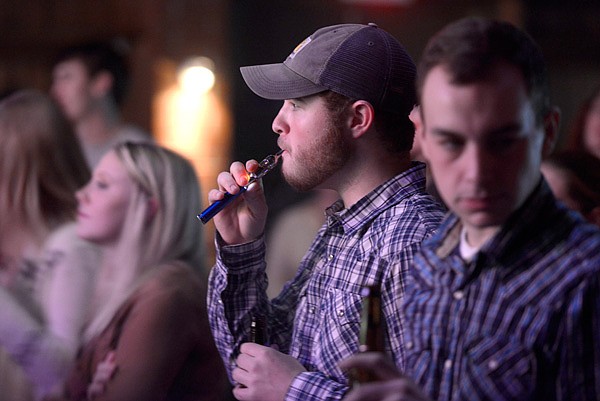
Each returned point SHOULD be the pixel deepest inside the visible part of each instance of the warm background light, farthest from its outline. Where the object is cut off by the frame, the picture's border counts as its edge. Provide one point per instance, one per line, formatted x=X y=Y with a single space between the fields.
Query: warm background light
x=192 y=118
x=196 y=75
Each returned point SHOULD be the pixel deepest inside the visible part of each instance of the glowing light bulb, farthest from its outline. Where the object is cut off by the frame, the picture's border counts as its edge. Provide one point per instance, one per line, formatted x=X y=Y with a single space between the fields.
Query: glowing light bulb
x=196 y=75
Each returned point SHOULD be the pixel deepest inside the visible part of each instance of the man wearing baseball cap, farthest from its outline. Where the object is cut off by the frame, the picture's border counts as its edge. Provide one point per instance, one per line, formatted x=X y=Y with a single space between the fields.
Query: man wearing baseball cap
x=347 y=91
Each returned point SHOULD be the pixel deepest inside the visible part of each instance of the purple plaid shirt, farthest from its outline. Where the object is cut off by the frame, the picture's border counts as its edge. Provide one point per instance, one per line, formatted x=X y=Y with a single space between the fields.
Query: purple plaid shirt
x=521 y=321
x=316 y=318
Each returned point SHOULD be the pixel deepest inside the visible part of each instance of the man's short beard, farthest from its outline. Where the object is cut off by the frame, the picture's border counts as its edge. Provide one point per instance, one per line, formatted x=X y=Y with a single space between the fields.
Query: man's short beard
x=325 y=156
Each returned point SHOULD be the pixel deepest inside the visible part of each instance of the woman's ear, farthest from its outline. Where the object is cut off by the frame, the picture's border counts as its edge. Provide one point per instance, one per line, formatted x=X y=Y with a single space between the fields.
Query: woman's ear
x=152 y=208
x=362 y=117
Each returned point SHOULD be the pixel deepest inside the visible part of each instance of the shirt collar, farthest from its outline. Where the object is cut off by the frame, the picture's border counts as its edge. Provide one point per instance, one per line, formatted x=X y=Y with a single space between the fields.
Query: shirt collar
x=536 y=215
x=386 y=195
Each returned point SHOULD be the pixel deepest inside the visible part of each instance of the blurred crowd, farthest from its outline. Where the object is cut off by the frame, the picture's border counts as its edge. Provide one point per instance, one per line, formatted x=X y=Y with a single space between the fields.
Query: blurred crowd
x=104 y=292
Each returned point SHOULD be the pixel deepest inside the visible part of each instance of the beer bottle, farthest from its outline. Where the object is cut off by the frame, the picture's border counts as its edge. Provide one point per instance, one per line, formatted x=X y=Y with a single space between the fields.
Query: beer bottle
x=257 y=330
x=371 y=330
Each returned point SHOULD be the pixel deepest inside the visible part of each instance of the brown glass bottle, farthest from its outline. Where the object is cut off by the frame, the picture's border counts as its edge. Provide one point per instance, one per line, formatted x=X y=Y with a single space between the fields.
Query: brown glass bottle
x=371 y=330
x=257 y=330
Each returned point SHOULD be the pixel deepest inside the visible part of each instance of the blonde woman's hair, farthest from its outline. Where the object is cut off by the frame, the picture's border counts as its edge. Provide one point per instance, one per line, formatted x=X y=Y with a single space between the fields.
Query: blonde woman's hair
x=167 y=189
x=41 y=163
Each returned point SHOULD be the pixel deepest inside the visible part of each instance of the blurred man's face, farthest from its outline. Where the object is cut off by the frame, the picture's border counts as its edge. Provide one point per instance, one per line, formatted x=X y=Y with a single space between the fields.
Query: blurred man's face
x=71 y=88
x=483 y=146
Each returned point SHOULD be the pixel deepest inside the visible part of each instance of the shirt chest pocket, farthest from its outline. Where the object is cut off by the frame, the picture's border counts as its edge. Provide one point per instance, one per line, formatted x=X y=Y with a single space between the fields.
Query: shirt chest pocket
x=338 y=328
x=499 y=368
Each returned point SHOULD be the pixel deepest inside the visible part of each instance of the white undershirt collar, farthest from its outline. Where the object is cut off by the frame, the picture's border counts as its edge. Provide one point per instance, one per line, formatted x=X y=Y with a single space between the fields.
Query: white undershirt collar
x=467 y=252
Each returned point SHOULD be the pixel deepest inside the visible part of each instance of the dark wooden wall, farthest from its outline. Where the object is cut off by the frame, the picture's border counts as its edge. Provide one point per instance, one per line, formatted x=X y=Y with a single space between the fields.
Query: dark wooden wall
x=238 y=32
x=242 y=32
x=153 y=31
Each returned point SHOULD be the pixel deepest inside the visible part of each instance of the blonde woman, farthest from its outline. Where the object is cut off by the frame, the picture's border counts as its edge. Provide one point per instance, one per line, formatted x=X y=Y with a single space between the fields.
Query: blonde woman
x=46 y=271
x=139 y=208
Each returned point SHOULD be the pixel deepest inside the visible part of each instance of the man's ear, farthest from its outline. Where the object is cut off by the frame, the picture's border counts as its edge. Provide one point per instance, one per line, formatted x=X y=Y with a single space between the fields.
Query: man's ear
x=362 y=117
x=415 y=117
x=423 y=138
x=417 y=149
x=551 y=126
x=101 y=84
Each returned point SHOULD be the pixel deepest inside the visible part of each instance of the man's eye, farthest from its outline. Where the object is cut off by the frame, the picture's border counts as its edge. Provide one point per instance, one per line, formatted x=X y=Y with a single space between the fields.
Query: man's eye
x=451 y=144
x=503 y=144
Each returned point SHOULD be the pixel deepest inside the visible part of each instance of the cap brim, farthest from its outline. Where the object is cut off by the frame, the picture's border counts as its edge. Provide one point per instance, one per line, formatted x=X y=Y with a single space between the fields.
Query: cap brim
x=278 y=82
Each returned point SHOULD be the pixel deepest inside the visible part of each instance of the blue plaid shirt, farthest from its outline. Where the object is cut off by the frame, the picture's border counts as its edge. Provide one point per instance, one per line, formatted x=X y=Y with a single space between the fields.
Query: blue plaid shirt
x=316 y=318
x=521 y=321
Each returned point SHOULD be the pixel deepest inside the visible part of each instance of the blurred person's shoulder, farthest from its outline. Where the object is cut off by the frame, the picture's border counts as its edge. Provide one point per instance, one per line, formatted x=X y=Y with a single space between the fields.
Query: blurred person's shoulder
x=132 y=133
x=64 y=238
x=177 y=280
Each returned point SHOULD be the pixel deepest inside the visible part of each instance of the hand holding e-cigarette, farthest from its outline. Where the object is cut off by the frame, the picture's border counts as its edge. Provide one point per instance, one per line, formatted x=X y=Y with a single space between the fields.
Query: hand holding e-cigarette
x=266 y=165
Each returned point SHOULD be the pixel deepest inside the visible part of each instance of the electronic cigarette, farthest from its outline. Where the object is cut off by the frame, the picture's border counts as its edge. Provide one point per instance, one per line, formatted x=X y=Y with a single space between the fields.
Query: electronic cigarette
x=266 y=165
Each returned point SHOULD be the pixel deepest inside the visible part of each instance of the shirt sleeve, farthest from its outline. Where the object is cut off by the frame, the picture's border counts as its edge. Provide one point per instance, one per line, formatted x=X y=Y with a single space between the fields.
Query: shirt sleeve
x=393 y=291
x=237 y=290
x=579 y=367
x=46 y=349
x=315 y=386
x=43 y=356
x=237 y=293
x=65 y=298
